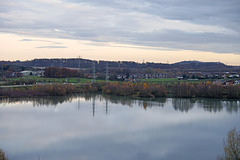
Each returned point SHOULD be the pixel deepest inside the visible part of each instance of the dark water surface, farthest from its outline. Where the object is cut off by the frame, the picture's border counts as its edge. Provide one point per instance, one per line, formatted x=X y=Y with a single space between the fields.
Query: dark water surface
x=98 y=127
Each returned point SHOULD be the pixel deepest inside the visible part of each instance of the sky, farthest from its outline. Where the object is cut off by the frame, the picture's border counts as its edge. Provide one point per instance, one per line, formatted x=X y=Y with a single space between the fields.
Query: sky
x=137 y=30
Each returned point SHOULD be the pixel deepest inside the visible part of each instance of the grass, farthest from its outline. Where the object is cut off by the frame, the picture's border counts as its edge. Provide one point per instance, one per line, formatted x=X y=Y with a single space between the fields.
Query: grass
x=53 y=80
x=167 y=81
x=170 y=81
x=160 y=80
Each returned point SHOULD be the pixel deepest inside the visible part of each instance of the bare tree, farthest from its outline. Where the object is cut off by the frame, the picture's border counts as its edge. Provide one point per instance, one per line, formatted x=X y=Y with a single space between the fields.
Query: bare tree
x=231 y=146
x=2 y=155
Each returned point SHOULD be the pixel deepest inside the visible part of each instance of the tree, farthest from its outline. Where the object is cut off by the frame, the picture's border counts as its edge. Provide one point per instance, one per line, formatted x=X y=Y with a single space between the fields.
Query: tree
x=231 y=146
x=2 y=155
x=55 y=72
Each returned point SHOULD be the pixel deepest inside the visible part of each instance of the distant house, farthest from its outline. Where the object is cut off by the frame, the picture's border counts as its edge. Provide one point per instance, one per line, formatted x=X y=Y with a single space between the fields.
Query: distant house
x=234 y=76
x=33 y=73
x=236 y=82
x=228 y=82
x=38 y=73
x=26 y=73
x=179 y=78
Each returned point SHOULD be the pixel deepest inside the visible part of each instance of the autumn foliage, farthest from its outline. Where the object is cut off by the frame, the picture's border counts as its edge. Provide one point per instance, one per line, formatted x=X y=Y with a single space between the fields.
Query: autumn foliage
x=231 y=146
x=55 y=72
x=183 y=89
x=132 y=89
x=39 y=90
x=205 y=90
x=54 y=89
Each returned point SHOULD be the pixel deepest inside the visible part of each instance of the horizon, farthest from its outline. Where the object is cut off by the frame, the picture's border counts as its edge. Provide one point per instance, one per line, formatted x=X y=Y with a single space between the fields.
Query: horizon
x=118 y=61
x=151 y=31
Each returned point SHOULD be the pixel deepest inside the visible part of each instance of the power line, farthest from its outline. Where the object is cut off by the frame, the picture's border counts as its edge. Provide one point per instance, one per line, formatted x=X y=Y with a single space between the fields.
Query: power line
x=107 y=77
x=79 y=63
x=94 y=71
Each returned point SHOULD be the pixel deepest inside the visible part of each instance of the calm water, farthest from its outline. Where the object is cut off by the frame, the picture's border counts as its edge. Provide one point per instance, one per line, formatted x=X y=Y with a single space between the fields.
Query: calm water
x=97 y=127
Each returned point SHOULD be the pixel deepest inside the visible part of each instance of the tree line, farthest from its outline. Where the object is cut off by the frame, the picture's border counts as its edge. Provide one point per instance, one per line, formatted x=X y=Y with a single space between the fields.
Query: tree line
x=183 y=90
x=56 y=72
x=205 y=90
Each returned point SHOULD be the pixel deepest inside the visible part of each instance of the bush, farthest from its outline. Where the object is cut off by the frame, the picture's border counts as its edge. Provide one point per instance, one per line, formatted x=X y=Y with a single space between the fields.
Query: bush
x=39 y=90
x=206 y=90
x=2 y=155
x=132 y=89
x=231 y=146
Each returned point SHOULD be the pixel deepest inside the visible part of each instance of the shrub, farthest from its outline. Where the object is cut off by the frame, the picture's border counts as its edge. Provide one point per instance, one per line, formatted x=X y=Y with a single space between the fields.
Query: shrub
x=131 y=89
x=2 y=155
x=231 y=146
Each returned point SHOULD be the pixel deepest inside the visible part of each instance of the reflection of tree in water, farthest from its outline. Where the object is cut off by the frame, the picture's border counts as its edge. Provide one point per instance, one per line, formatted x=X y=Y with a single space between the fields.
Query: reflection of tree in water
x=145 y=103
x=152 y=103
x=126 y=101
x=14 y=100
x=232 y=106
x=211 y=105
x=183 y=105
x=51 y=101
x=47 y=101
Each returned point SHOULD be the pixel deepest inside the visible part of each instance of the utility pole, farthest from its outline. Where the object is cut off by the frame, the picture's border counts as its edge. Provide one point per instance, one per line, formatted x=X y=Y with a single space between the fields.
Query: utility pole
x=1 y=72
x=79 y=67
x=94 y=72
x=79 y=63
x=107 y=77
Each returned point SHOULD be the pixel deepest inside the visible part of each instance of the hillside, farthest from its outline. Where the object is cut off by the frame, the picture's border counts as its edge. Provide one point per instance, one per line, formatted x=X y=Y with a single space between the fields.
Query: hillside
x=87 y=64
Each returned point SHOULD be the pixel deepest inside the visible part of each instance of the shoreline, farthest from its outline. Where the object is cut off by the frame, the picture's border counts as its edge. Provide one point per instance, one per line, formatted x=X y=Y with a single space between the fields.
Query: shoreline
x=137 y=90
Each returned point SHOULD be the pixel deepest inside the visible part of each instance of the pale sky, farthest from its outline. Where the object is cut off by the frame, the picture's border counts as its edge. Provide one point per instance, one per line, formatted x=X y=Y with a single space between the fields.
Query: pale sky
x=137 y=30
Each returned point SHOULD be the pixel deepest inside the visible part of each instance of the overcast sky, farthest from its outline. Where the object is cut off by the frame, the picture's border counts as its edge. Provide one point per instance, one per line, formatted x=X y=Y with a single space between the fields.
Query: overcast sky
x=199 y=26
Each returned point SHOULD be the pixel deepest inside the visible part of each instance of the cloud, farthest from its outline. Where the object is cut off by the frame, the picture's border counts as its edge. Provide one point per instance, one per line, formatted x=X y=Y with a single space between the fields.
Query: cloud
x=52 y=47
x=53 y=42
x=189 y=24
x=26 y=40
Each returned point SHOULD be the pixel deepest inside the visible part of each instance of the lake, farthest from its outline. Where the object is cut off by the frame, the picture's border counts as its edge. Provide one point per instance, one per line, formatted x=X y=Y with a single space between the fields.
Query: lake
x=100 y=127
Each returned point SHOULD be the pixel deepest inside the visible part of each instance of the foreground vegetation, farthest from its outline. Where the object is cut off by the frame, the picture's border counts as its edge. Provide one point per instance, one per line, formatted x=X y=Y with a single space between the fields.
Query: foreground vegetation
x=231 y=146
x=183 y=89
x=2 y=155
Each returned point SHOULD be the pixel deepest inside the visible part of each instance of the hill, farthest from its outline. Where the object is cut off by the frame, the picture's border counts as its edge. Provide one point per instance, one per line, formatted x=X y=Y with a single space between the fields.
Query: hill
x=87 y=64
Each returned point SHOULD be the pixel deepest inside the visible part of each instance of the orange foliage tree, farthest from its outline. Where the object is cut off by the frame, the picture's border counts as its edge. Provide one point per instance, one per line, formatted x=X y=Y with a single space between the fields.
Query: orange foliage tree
x=55 y=72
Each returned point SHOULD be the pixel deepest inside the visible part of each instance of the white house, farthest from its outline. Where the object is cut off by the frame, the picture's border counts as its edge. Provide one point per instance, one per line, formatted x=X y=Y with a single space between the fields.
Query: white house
x=26 y=73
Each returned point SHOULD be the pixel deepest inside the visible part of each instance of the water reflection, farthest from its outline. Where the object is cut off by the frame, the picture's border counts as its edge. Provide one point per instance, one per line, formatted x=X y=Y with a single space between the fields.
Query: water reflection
x=232 y=106
x=93 y=126
x=41 y=101
x=211 y=105
x=183 y=105
x=179 y=104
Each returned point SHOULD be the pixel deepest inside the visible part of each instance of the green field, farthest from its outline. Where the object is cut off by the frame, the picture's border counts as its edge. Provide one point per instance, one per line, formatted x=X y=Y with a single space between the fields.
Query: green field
x=37 y=79
x=170 y=81
x=52 y=80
